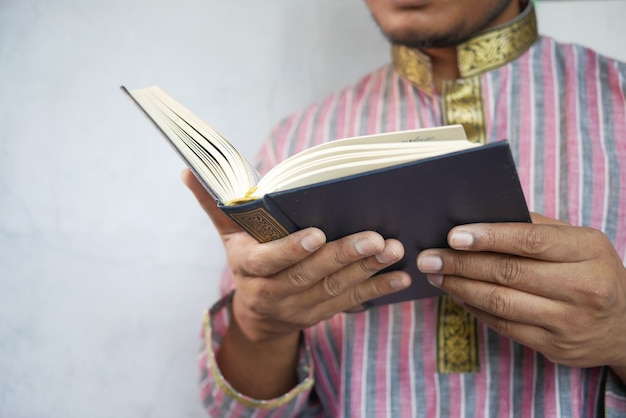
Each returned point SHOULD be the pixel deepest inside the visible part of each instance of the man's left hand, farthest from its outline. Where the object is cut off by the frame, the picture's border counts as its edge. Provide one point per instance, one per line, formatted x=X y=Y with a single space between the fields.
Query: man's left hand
x=556 y=288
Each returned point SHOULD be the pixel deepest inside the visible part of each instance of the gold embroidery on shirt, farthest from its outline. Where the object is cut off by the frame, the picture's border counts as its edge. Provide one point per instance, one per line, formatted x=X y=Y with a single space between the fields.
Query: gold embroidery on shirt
x=463 y=103
x=498 y=46
x=413 y=65
x=457 y=340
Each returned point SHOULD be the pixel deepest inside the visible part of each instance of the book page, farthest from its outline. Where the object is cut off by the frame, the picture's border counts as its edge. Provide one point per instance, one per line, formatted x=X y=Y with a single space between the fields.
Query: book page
x=220 y=166
x=357 y=155
x=351 y=161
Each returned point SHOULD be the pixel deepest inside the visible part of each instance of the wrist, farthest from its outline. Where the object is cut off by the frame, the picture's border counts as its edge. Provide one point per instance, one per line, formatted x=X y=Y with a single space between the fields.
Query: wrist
x=258 y=365
x=251 y=328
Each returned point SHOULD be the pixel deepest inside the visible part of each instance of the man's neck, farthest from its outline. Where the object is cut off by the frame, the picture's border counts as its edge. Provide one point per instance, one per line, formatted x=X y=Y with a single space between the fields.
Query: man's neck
x=444 y=61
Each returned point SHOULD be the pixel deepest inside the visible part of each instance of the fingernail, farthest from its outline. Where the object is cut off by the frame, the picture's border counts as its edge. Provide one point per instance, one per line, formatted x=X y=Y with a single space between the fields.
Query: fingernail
x=312 y=241
x=365 y=246
x=429 y=263
x=435 y=279
x=399 y=283
x=461 y=239
x=387 y=256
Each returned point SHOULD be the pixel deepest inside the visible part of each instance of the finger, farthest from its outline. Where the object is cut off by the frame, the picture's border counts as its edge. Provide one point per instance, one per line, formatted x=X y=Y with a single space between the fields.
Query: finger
x=532 y=336
x=504 y=302
x=292 y=288
x=253 y=259
x=374 y=287
x=222 y=222
x=559 y=281
x=328 y=260
x=340 y=284
x=540 y=241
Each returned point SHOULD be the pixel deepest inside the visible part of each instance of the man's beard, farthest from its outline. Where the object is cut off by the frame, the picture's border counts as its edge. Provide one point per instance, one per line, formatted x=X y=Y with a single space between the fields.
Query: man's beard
x=454 y=36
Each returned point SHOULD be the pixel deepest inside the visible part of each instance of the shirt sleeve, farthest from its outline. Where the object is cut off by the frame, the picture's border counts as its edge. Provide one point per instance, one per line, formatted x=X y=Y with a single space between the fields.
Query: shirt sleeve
x=220 y=399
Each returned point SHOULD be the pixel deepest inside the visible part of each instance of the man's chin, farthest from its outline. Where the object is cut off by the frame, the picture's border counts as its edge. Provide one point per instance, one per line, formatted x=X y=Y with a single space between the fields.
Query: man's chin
x=411 y=3
x=425 y=42
x=418 y=36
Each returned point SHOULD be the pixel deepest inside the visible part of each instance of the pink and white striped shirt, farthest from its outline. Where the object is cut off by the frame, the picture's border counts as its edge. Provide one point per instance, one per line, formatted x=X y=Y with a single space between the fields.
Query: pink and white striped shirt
x=563 y=109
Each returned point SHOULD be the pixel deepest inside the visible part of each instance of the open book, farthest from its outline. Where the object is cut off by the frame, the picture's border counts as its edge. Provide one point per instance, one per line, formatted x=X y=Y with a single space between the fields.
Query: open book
x=232 y=180
x=410 y=185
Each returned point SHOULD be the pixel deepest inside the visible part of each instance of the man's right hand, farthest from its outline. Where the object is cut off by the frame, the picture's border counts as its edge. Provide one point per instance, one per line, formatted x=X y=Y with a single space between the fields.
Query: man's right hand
x=287 y=285
x=290 y=284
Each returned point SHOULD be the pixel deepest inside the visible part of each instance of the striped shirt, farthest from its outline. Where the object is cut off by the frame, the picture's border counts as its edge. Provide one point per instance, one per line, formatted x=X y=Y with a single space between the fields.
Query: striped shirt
x=563 y=109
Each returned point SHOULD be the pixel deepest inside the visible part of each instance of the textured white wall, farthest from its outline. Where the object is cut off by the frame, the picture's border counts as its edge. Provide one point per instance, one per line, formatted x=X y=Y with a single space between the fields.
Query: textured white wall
x=106 y=263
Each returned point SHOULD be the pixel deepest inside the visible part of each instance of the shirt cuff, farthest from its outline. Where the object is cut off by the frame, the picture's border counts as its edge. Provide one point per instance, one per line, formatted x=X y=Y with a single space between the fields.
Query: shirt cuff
x=217 y=393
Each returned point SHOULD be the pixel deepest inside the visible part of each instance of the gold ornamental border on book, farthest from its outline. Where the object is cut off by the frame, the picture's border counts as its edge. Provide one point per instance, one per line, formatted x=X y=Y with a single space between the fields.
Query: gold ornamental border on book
x=260 y=224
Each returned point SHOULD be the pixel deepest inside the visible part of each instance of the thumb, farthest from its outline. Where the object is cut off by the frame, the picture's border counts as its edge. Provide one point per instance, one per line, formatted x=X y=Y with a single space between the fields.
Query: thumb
x=221 y=221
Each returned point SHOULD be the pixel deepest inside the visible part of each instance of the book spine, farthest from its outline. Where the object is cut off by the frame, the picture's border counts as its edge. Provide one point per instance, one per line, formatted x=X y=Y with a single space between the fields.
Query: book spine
x=262 y=219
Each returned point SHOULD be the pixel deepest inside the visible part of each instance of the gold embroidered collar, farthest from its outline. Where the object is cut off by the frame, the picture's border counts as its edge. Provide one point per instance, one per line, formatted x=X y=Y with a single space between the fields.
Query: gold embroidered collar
x=486 y=51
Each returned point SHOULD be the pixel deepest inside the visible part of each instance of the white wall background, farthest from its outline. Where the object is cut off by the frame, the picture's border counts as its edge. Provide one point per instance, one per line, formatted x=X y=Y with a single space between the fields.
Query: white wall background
x=106 y=263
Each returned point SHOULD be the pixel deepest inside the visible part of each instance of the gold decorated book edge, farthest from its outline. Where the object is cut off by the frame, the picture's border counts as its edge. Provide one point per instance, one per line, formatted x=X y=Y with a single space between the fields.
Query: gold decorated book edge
x=260 y=224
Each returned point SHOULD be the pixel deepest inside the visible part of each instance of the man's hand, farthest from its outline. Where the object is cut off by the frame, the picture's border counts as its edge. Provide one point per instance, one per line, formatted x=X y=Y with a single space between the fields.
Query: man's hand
x=287 y=285
x=556 y=288
x=292 y=283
